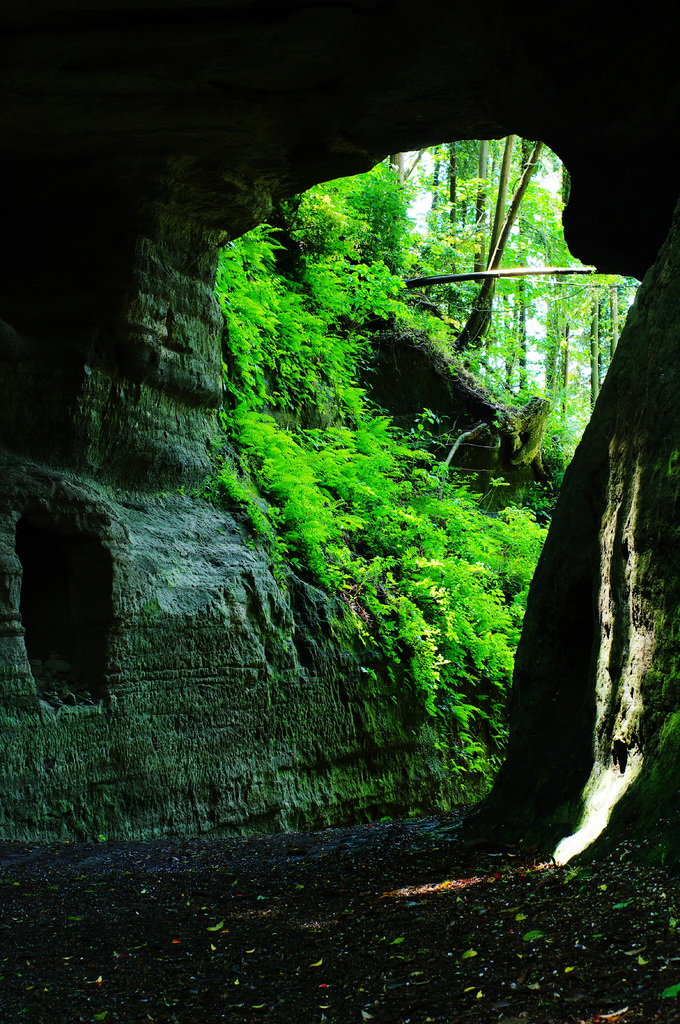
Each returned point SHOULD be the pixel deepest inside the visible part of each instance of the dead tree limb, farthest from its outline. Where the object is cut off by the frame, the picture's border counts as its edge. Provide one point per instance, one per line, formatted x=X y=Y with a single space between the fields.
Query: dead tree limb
x=480 y=275
x=467 y=435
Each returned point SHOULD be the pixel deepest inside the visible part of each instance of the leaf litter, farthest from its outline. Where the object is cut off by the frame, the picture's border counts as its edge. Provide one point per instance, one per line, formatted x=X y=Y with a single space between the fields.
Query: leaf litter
x=397 y=923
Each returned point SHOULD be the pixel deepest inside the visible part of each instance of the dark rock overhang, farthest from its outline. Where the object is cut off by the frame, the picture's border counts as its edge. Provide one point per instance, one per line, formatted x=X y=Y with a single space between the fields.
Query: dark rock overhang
x=212 y=111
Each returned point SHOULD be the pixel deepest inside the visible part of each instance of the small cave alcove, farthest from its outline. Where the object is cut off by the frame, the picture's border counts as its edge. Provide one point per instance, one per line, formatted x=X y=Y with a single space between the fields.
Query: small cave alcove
x=66 y=610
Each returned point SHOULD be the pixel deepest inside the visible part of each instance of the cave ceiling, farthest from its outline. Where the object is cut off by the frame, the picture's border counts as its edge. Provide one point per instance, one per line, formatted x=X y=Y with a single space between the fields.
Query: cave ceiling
x=214 y=111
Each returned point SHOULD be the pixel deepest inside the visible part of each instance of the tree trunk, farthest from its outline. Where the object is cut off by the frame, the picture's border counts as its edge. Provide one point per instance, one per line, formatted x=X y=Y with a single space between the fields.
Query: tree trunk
x=595 y=713
x=565 y=372
x=551 y=347
x=614 y=314
x=452 y=183
x=511 y=217
x=521 y=433
x=435 y=177
x=499 y=214
x=522 y=334
x=398 y=165
x=478 y=322
x=480 y=215
x=595 y=351
x=410 y=169
x=511 y=353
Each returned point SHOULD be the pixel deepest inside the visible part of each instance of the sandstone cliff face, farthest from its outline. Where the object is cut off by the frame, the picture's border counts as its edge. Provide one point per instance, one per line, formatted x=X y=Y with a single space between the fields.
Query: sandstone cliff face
x=596 y=680
x=134 y=140
x=156 y=679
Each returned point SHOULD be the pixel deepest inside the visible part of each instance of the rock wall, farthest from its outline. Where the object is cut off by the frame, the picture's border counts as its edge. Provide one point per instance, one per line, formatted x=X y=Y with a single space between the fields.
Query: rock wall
x=134 y=141
x=596 y=680
x=189 y=693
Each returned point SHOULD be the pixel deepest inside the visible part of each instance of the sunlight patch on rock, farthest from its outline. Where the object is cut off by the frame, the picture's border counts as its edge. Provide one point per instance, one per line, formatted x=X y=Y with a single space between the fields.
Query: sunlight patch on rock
x=625 y=655
x=604 y=789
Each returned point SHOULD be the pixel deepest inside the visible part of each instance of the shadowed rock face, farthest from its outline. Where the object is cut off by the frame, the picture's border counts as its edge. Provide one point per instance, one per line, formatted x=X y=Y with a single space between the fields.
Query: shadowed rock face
x=134 y=141
x=596 y=725
x=156 y=679
x=210 y=111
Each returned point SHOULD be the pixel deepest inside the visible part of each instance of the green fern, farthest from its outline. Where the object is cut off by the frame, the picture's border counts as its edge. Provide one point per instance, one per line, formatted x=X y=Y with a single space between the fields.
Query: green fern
x=357 y=506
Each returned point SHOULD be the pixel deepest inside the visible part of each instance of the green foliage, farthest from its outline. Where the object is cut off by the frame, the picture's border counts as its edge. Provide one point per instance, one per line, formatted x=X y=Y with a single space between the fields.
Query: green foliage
x=438 y=587
x=227 y=487
x=277 y=350
x=295 y=347
x=364 y=218
x=436 y=584
x=539 y=339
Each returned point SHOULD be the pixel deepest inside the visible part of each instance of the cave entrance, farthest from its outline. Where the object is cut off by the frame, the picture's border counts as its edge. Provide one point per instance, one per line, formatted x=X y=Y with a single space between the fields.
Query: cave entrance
x=66 y=610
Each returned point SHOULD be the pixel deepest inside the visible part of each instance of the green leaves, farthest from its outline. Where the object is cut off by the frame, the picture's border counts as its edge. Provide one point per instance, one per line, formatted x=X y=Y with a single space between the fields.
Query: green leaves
x=432 y=583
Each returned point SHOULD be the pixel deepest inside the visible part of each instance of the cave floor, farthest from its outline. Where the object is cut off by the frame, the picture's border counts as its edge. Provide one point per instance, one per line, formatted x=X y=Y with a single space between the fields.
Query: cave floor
x=393 y=922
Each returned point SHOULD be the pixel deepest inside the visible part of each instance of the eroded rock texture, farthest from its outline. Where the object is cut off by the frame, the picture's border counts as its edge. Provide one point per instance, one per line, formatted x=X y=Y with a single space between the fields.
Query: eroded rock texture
x=201 y=697
x=599 y=662
x=134 y=140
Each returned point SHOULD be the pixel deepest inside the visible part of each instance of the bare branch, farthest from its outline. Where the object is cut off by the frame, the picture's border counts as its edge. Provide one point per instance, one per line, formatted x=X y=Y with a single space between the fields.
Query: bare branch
x=413 y=166
x=480 y=275
x=467 y=435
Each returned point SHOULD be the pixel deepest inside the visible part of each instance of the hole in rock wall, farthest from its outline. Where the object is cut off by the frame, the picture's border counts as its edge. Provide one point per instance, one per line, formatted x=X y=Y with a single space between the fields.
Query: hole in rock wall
x=66 y=610
x=620 y=755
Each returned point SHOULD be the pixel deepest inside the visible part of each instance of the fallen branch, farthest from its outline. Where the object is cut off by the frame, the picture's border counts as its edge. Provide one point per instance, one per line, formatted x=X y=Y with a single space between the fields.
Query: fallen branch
x=480 y=275
x=468 y=435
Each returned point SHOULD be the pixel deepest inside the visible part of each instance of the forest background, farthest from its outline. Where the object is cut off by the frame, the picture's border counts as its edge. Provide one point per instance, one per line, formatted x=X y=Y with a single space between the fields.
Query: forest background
x=433 y=566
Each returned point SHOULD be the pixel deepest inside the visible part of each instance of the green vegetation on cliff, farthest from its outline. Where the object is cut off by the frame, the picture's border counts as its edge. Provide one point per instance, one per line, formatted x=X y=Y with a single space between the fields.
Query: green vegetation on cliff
x=369 y=511
x=437 y=586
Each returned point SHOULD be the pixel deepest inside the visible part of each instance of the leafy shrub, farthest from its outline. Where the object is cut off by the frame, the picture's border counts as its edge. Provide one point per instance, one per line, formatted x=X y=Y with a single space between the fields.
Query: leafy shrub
x=437 y=586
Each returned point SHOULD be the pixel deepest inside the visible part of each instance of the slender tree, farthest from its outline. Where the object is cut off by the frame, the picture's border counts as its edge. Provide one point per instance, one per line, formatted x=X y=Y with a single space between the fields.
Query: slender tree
x=480 y=317
x=552 y=346
x=453 y=181
x=480 y=210
x=565 y=371
x=510 y=350
x=614 y=314
x=595 y=349
x=501 y=202
x=436 y=172
x=522 y=333
x=398 y=165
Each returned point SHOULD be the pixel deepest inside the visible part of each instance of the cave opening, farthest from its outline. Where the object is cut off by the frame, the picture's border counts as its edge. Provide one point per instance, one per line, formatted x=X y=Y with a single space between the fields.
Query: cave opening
x=66 y=610
x=620 y=755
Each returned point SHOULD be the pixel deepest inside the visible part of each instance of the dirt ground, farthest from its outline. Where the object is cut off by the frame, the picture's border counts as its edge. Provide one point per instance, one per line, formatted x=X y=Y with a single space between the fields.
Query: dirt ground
x=395 y=923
